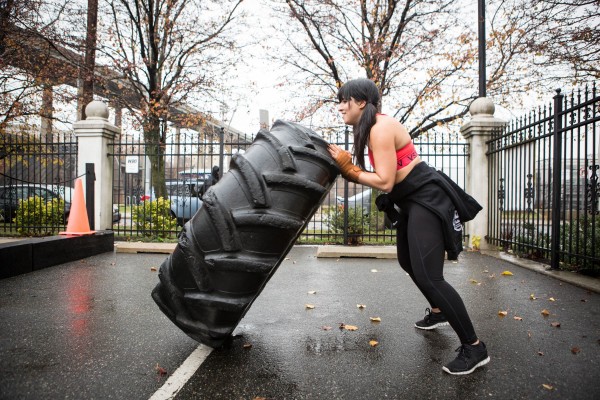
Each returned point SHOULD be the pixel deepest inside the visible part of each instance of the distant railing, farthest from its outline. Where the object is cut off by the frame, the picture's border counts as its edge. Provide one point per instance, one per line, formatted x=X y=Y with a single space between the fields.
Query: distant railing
x=31 y=166
x=543 y=180
x=347 y=215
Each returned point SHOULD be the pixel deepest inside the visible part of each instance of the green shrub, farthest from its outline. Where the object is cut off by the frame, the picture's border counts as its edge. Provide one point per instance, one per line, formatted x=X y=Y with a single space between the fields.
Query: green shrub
x=583 y=238
x=530 y=243
x=358 y=223
x=38 y=218
x=154 y=219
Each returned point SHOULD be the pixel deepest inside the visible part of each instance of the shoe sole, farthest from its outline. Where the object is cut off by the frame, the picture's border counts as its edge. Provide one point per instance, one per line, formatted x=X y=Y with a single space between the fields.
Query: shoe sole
x=428 y=328
x=479 y=364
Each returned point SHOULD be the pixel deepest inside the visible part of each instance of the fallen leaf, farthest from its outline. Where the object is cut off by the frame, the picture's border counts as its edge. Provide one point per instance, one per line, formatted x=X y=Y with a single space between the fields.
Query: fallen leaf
x=492 y=276
x=485 y=271
x=375 y=319
x=160 y=370
x=361 y=306
x=532 y=297
x=309 y=306
x=373 y=343
x=507 y=273
x=540 y=353
x=312 y=292
x=247 y=345
x=546 y=386
x=326 y=328
x=575 y=350
x=545 y=312
x=518 y=318
x=502 y=313
x=529 y=334
x=259 y=398
x=551 y=299
x=153 y=269
x=476 y=242
x=348 y=327
x=555 y=324
x=474 y=281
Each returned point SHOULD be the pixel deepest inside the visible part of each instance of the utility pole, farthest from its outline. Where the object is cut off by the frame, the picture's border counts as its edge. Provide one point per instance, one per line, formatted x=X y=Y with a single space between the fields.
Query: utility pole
x=90 y=56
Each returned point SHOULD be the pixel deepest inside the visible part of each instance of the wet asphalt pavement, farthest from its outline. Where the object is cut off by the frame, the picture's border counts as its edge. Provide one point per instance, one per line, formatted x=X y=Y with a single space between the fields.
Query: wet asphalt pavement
x=90 y=330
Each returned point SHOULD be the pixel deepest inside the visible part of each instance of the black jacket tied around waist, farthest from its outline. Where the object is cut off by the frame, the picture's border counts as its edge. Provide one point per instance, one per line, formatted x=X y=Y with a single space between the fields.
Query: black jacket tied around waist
x=435 y=191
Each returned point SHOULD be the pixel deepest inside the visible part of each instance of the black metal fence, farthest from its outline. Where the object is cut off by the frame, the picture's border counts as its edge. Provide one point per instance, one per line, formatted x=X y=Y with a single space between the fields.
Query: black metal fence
x=186 y=162
x=347 y=215
x=37 y=176
x=543 y=179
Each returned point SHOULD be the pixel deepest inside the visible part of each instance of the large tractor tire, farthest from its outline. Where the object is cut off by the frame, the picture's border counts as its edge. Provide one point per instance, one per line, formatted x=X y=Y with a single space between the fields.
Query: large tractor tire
x=248 y=223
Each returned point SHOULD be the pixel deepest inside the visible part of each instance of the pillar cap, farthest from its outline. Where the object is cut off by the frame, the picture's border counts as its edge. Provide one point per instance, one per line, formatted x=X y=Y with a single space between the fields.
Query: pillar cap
x=96 y=110
x=482 y=107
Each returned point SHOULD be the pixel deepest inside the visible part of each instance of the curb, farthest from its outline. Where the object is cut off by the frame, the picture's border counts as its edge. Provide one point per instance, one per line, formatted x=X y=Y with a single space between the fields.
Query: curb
x=586 y=282
x=144 y=247
x=331 y=251
x=388 y=252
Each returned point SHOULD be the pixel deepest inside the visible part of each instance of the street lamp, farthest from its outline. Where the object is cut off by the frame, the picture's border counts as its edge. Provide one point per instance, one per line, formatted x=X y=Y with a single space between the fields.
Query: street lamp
x=481 y=30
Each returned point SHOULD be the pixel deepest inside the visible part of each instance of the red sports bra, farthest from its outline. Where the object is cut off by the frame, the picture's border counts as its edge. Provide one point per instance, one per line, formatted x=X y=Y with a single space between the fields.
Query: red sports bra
x=403 y=156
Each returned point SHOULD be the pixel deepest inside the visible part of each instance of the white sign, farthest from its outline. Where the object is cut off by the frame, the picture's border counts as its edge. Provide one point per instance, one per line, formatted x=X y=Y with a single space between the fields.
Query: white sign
x=132 y=164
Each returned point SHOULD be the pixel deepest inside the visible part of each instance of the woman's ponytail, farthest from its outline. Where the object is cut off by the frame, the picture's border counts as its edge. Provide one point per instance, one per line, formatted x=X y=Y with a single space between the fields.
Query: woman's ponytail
x=362 y=132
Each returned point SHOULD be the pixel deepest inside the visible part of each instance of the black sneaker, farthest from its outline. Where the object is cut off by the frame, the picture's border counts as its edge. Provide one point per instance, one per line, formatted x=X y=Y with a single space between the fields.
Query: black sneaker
x=468 y=360
x=431 y=321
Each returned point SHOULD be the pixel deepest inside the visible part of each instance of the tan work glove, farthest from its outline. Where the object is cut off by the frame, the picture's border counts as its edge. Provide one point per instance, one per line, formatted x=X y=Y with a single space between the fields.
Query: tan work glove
x=349 y=170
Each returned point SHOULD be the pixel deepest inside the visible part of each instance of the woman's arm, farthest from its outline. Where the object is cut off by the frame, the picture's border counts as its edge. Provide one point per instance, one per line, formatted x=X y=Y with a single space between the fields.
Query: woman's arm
x=382 y=144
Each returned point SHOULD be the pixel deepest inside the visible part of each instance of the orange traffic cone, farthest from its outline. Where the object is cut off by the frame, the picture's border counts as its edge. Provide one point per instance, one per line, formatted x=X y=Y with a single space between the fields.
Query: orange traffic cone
x=79 y=223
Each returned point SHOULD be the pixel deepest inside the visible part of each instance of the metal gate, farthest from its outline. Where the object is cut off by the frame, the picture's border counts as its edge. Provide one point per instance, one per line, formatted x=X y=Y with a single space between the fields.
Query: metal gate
x=544 y=191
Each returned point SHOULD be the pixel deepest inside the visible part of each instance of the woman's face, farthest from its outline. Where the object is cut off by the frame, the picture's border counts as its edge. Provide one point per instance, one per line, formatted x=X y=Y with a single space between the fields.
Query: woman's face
x=351 y=111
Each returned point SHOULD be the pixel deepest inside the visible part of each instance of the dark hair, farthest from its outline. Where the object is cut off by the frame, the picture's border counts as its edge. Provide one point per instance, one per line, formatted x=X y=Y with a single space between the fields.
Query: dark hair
x=362 y=89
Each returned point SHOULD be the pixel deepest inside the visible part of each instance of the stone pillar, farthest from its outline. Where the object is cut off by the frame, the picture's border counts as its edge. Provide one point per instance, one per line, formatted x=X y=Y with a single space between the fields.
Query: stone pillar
x=477 y=132
x=94 y=135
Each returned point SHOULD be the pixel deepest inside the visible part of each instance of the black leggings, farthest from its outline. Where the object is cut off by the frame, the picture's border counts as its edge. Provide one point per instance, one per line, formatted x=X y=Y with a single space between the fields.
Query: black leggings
x=420 y=244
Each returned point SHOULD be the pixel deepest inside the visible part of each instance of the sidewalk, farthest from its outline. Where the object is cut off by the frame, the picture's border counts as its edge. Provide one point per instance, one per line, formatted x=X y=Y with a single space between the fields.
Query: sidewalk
x=89 y=329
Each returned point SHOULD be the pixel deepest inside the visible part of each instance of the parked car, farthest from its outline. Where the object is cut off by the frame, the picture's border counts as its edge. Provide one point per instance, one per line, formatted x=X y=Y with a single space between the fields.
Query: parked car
x=185 y=201
x=116 y=216
x=67 y=193
x=362 y=199
x=10 y=196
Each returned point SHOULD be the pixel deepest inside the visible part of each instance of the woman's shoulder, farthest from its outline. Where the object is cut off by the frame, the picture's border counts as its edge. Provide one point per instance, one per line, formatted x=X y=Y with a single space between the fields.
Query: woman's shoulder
x=385 y=123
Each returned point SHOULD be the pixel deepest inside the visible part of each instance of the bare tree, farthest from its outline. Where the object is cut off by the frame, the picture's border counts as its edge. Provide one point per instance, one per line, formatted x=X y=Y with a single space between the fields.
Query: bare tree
x=422 y=53
x=35 y=57
x=553 y=41
x=167 y=53
x=410 y=48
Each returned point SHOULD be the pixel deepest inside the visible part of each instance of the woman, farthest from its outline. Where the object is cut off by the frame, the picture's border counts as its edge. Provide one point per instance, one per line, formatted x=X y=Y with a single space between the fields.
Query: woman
x=429 y=224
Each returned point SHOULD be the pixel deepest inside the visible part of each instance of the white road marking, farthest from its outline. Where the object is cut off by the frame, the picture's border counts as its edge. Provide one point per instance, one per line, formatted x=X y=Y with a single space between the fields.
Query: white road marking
x=180 y=377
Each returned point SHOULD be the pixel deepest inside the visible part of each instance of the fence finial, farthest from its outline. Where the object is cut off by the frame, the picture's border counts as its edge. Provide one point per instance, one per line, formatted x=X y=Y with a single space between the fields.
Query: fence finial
x=96 y=110
x=482 y=107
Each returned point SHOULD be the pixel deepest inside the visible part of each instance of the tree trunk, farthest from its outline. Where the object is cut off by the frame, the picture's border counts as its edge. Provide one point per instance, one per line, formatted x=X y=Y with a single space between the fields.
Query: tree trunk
x=155 y=150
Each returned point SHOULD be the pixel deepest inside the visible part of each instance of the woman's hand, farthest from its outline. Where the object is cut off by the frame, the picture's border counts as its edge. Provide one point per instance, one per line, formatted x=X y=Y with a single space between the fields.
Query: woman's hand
x=344 y=161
